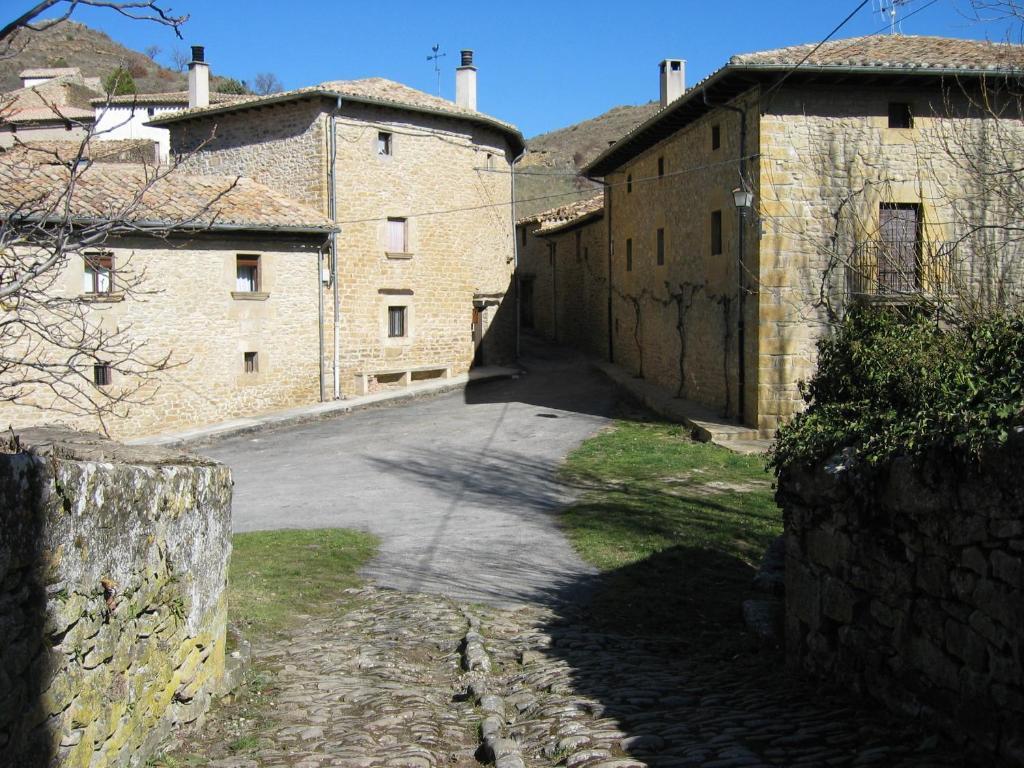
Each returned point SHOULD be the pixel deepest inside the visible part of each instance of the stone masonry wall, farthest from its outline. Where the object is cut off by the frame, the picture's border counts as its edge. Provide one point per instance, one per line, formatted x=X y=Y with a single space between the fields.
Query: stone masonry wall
x=113 y=567
x=186 y=307
x=828 y=161
x=913 y=592
x=675 y=323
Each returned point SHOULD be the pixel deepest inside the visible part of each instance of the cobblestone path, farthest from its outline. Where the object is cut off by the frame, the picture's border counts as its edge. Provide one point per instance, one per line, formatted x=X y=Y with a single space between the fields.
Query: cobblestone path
x=420 y=681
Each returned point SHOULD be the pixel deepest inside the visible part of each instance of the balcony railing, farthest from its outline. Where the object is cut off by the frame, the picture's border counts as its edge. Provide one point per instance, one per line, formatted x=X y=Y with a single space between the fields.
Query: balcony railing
x=888 y=269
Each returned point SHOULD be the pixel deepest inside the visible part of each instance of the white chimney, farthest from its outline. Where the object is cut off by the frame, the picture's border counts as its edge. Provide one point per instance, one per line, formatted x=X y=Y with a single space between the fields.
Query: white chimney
x=198 y=79
x=465 y=82
x=673 y=80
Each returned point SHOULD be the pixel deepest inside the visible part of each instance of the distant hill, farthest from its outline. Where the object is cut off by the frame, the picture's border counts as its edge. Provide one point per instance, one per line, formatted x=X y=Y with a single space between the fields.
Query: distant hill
x=70 y=44
x=563 y=152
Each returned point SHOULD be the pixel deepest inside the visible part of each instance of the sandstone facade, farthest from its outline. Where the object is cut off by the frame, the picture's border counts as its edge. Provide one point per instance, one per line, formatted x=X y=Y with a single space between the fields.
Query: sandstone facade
x=444 y=179
x=113 y=566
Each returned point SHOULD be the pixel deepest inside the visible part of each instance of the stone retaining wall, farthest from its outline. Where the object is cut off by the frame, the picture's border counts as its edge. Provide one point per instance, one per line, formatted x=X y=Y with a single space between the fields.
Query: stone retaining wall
x=113 y=564
x=913 y=592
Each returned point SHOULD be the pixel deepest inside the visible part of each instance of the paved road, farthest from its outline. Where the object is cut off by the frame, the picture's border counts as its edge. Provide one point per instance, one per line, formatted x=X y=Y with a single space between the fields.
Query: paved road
x=461 y=487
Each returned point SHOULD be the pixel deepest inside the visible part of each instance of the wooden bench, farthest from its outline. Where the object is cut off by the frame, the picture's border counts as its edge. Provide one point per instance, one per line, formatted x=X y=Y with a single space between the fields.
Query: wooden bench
x=406 y=373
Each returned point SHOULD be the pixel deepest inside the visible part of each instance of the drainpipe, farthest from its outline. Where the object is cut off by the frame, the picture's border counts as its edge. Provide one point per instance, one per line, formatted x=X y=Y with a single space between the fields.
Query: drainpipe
x=515 y=250
x=332 y=212
x=608 y=215
x=320 y=312
x=741 y=289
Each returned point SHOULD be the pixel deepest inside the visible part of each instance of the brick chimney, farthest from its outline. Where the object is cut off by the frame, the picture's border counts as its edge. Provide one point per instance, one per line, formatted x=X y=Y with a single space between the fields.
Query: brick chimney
x=198 y=79
x=673 y=80
x=465 y=82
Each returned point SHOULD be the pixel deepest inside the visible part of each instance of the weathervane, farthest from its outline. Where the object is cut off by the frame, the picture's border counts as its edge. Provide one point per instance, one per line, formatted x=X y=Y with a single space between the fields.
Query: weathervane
x=436 y=58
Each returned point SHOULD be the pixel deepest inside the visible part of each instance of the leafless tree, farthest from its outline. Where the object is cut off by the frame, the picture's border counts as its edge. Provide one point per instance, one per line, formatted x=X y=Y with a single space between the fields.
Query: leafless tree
x=152 y=51
x=58 y=348
x=179 y=59
x=265 y=83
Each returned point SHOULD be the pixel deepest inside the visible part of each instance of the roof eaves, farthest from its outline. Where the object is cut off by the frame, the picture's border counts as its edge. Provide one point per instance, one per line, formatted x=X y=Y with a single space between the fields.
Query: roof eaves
x=569 y=225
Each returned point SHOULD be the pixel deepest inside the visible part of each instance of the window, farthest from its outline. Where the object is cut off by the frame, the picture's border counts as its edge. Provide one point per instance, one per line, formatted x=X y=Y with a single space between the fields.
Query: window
x=716 y=136
x=661 y=247
x=629 y=255
x=101 y=375
x=151 y=111
x=579 y=245
x=247 y=274
x=99 y=273
x=716 y=232
x=586 y=253
x=899 y=247
x=661 y=167
x=629 y=184
x=251 y=362
x=523 y=235
x=900 y=115
x=396 y=322
x=398 y=239
x=490 y=161
x=383 y=143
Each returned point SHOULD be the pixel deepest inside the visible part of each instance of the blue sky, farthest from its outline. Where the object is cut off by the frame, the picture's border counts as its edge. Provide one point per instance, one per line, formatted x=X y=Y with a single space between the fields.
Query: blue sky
x=542 y=65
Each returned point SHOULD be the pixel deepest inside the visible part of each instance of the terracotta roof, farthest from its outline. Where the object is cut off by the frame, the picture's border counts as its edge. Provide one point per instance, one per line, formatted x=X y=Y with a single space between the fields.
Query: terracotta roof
x=372 y=90
x=59 y=100
x=901 y=52
x=177 y=200
x=172 y=98
x=99 y=151
x=30 y=74
x=565 y=215
x=875 y=56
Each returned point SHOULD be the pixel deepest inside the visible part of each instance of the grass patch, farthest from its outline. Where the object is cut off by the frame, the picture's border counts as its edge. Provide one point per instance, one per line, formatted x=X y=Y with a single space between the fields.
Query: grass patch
x=277 y=575
x=676 y=526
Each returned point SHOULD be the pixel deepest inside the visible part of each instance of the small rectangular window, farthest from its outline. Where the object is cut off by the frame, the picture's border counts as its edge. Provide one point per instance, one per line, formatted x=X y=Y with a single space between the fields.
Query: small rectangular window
x=629 y=255
x=900 y=115
x=661 y=247
x=716 y=136
x=552 y=253
x=99 y=273
x=396 y=322
x=586 y=253
x=661 y=167
x=101 y=375
x=579 y=245
x=398 y=236
x=629 y=184
x=523 y=236
x=383 y=143
x=247 y=274
x=251 y=362
x=716 y=232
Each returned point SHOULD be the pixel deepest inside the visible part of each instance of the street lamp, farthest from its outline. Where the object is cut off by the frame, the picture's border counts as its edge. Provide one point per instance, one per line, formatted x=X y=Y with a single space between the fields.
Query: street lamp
x=744 y=200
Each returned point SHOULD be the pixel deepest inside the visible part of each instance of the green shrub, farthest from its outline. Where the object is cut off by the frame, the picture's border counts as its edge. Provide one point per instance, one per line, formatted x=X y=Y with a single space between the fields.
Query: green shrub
x=891 y=383
x=231 y=85
x=119 y=82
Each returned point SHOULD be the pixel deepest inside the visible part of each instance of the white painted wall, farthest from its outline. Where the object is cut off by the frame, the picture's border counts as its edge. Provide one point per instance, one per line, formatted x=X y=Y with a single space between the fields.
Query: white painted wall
x=128 y=121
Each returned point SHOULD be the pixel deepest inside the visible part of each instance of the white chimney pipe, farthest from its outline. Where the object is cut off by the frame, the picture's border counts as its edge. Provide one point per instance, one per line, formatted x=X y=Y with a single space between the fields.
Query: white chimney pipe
x=198 y=79
x=673 y=80
x=465 y=82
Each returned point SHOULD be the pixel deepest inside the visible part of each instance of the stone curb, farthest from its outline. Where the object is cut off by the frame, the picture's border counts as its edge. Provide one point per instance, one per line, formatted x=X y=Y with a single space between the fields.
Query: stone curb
x=504 y=752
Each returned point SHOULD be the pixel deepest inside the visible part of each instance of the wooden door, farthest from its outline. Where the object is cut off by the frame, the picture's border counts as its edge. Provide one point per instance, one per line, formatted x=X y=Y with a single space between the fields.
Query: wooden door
x=899 y=248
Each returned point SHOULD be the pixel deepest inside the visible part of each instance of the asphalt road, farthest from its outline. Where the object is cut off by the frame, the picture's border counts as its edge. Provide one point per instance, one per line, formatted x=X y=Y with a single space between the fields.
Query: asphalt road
x=461 y=488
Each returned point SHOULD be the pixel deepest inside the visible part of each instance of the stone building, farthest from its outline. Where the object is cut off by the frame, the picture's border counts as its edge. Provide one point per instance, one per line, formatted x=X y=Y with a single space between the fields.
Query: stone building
x=419 y=187
x=51 y=105
x=563 y=274
x=869 y=164
x=220 y=274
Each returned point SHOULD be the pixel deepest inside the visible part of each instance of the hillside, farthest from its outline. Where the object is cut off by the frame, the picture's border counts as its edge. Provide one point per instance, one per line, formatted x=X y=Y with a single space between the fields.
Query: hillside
x=563 y=152
x=71 y=44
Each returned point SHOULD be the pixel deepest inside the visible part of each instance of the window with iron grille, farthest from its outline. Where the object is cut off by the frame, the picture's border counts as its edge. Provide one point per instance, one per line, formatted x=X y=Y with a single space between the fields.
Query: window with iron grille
x=661 y=247
x=99 y=273
x=251 y=362
x=101 y=375
x=396 y=322
x=398 y=235
x=247 y=274
x=716 y=233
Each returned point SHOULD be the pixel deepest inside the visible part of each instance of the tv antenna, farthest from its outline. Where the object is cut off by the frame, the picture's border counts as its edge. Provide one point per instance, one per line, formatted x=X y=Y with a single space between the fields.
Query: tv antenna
x=890 y=10
x=436 y=58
